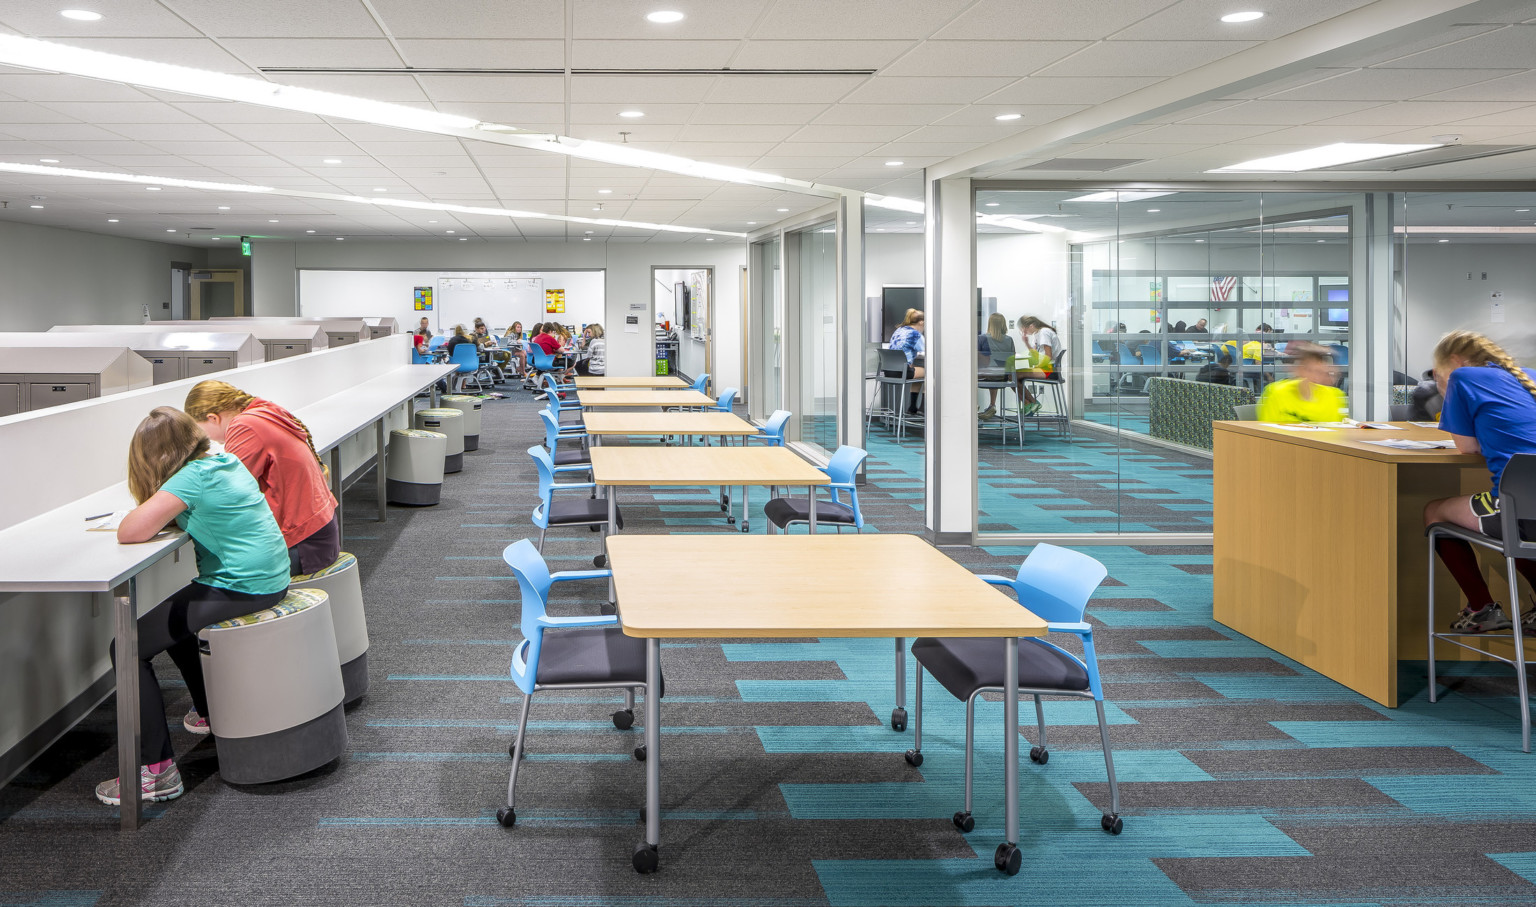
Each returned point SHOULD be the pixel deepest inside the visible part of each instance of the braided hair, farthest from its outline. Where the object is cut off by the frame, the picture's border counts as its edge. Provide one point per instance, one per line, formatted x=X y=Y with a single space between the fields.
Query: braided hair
x=209 y=397
x=1476 y=349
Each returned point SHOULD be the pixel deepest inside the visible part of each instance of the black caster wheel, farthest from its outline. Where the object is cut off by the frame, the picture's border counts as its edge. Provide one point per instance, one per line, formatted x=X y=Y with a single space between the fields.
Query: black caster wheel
x=1007 y=859
x=1112 y=824
x=507 y=816
x=1039 y=754
x=730 y=521
x=899 y=719
x=914 y=758
x=594 y=529
x=512 y=752
x=600 y=561
x=725 y=508
x=964 y=822
x=645 y=859
x=640 y=753
x=624 y=719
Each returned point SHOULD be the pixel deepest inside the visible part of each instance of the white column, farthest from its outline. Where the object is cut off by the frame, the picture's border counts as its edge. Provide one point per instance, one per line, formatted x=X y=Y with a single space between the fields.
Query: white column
x=951 y=396
x=850 y=321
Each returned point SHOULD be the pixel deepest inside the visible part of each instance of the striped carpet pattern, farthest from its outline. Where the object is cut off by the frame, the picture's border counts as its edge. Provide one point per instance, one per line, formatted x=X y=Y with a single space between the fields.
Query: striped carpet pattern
x=1246 y=779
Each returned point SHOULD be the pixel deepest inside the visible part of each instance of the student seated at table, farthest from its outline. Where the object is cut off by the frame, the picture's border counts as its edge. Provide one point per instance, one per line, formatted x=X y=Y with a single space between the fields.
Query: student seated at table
x=546 y=338
x=908 y=337
x=1218 y=372
x=280 y=453
x=596 y=362
x=1308 y=397
x=241 y=568
x=513 y=341
x=1042 y=343
x=422 y=336
x=999 y=350
x=1490 y=408
x=460 y=336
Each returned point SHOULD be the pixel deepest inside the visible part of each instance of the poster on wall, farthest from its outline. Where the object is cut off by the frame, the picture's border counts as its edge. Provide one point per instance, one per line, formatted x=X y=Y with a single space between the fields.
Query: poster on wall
x=698 y=304
x=554 y=302
x=423 y=299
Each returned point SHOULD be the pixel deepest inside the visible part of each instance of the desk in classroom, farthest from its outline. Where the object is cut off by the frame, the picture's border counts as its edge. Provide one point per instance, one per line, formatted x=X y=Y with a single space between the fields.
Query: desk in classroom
x=709 y=466
x=640 y=424
x=1319 y=548
x=809 y=586
x=657 y=399
x=658 y=382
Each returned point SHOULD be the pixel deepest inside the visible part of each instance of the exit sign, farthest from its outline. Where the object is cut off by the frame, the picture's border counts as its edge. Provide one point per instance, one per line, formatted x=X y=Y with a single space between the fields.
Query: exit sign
x=245 y=246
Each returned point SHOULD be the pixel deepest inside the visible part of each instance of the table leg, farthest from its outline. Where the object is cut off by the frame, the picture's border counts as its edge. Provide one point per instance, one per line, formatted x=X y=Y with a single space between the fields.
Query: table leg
x=810 y=491
x=1011 y=741
x=128 y=729
x=652 y=754
x=433 y=392
x=381 y=466
x=899 y=714
x=611 y=491
x=336 y=483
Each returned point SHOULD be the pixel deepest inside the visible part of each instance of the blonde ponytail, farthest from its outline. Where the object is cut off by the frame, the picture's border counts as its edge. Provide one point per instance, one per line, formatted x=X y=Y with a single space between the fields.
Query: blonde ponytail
x=1478 y=350
x=207 y=398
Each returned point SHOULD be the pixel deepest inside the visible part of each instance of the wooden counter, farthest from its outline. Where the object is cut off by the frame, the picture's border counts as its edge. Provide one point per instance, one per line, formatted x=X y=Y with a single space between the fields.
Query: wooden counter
x=1319 y=548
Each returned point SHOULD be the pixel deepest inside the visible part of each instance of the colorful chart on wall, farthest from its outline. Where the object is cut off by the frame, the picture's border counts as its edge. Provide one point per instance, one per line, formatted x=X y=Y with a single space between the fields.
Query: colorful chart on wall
x=698 y=304
x=554 y=302
x=423 y=299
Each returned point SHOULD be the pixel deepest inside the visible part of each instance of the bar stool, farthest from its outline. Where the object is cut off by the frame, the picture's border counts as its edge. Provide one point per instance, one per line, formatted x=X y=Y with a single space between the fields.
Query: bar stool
x=450 y=422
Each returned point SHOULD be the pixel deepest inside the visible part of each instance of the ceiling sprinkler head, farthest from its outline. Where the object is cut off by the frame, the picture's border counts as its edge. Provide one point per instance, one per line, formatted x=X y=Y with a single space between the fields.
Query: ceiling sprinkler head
x=624 y=138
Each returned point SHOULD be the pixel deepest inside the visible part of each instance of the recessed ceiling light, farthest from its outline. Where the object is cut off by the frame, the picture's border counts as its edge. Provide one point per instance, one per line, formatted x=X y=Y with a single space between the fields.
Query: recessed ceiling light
x=589 y=232
x=1324 y=240
x=598 y=208
x=1445 y=240
x=709 y=239
x=992 y=204
x=1153 y=210
x=447 y=231
x=380 y=189
x=223 y=207
x=271 y=221
x=47 y=160
x=341 y=239
x=151 y=188
x=895 y=163
x=1199 y=240
x=1521 y=210
x=631 y=114
x=39 y=207
x=751 y=223
x=664 y=16
x=333 y=160
x=80 y=15
x=911 y=223
x=781 y=210
x=605 y=192
x=309 y=231
x=463 y=239
x=1242 y=17
x=431 y=221
x=111 y=220
x=170 y=229
x=1008 y=116
x=879 y=229
x=1325 y=156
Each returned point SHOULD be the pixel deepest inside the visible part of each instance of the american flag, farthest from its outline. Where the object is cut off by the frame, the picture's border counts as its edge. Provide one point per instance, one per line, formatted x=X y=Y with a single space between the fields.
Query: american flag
x=1222 y=287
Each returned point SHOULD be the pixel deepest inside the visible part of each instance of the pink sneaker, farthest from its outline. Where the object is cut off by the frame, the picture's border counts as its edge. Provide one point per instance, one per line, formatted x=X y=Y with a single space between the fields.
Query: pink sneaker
x=152 y=787
x=195 y=723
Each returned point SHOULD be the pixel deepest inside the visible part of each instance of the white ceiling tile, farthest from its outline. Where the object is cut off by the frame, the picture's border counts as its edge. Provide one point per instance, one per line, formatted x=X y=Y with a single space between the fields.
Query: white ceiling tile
x=120 y=19
x=398 y=89
x=1421 y=113
x=1400 y=52
x=779 y=89
x=538 y=88
x=1281 y=113
x=738 y=133
x=147 y=113
x=278 y=18
x=638 y=133
x=1028 y=114
x=58 y=132
x=12 y=112
x=1047 y=20
x=43 y=88
x=705 y=19
x=220 y=112
x=1194 y=133
x=327 y=52
x=1519 y=87
x=230 y=162
x=1388 y=84
x=163 y=133
x=1078 y=90
x=936 y=90
x=853 y=19
x=856 y=134
x=914 y=149
x=479 y=53
x=979 y=58
x=1201 y=19
x=818 y=54
x=280 y=132
x=608 y=114
x=198 y=53
x=1522 y=116
x=476 y=18
x=639 y=90
x=1511 y=47
x=783 y=114
x=412 y=143
x=661 y=54
x=882 y=114
x=1143 y=58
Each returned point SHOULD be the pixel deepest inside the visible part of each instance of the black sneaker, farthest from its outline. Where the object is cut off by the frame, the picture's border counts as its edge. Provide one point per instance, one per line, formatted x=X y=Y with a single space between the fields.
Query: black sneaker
x=1489 y=617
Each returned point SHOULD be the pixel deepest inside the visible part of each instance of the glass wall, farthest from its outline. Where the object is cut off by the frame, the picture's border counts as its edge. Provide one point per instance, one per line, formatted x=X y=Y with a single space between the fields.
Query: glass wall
x=1114 y=327
x=766 y=307
x=814 y=382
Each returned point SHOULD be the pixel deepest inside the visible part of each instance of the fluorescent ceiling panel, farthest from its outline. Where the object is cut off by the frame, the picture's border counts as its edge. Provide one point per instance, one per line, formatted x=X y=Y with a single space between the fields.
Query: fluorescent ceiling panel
x=1326 y=156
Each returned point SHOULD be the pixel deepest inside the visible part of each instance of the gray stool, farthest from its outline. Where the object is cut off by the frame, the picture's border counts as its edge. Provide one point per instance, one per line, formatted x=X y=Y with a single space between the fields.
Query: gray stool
x=451 y=423
x=343 y=585
x=415 y=472
x=274 y=690
x=470 y=407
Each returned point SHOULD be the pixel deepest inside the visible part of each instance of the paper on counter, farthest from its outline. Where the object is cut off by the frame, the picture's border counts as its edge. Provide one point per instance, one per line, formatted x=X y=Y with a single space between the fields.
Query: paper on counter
x=1410 y=444
x=107 y=523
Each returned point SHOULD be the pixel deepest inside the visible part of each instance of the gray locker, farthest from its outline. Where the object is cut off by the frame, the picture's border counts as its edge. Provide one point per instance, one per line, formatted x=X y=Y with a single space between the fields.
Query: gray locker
x=196 y=365
x=12 y=398
x=340 y=339
x=57 y=393
x=280 y=350
x=167 y=368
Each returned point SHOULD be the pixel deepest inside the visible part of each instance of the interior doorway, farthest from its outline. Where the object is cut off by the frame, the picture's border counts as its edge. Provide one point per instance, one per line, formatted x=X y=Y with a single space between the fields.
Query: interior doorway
x=682 y=319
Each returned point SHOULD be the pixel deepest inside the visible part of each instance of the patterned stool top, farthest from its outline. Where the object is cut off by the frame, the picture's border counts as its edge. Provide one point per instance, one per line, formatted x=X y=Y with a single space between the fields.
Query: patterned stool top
x=441 y=412
x=462 y=398
x=295 y=601
x=418 y=433
x=344 y=561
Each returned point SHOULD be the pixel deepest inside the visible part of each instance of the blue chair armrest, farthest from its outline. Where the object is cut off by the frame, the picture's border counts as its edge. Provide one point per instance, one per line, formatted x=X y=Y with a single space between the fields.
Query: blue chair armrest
x=599 y=620
x=574 y=467
x=562 y=486
x=993 y=579
x=1079 y=628
x=564 y=575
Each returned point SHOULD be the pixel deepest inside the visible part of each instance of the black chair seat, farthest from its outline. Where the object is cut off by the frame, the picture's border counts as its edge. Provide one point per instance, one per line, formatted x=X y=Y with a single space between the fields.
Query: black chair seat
x=591 y=655
x=964 y=665
x=572 y=458
x=783 y=511
x=582 y=510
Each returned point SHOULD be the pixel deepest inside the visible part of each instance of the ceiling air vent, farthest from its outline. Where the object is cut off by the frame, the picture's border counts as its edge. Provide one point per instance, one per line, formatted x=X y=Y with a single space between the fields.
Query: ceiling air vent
x=1084 y=164
x=1445 y=154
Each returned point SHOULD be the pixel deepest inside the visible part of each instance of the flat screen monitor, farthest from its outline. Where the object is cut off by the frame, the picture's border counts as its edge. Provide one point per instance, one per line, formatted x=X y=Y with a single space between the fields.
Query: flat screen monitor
x=1338 y=294
x=896 y=301
x=1336 y=317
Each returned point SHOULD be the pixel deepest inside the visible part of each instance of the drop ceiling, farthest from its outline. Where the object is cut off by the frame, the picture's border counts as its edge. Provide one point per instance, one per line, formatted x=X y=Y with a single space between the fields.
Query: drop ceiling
x=914 y=81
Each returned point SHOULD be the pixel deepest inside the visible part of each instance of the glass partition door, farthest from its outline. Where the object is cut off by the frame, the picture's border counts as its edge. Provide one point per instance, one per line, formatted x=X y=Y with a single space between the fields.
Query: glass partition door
x=766 y=329
x=815 y=379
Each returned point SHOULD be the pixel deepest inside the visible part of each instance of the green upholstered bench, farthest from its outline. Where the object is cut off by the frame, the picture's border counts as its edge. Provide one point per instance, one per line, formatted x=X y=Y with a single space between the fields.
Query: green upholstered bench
x=1182 y=411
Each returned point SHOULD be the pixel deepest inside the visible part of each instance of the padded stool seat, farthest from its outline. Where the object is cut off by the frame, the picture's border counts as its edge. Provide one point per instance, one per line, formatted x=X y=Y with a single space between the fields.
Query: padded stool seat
x=783 y=511
x=450 y=422
x=275 y=690
x=470 y=407
x=343 y=583
x=415 y=472
x=963 y=665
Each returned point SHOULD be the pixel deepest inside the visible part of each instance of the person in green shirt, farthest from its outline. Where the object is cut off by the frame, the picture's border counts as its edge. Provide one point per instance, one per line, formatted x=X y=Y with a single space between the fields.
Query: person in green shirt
x=1308 y=397
x=242 y=567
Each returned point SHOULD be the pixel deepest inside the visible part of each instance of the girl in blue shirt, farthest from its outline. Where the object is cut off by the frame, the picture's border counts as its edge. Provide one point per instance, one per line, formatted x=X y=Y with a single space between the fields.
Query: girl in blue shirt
x=242 y=567
x=1490 y=408
x=908 y=337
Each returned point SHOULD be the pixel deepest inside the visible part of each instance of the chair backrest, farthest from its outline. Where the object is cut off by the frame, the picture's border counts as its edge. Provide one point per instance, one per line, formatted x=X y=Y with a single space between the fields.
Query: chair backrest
x=1056 y=582
x=541 y=360
x=534 y=580
x=418 y=359
x=726 y=400
x=1399 y=412
x=466 y=357
x=1127 y=355
x=843 y=469
x=701 y=382
x=551 y=386
x=1340 y=353
x=893 y=363
x=437 y=341
x=774 y=427
x=1517 y=503
x=546 y=465
x=551 y=428
x=1246 y=412
x=552 y=405
x=1152 y=353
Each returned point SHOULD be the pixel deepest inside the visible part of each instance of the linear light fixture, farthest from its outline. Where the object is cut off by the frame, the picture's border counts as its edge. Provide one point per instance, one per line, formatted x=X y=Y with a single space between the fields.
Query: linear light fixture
x=1118 y=195
x=892 y=203
x=153 y=182
x=1325 y=156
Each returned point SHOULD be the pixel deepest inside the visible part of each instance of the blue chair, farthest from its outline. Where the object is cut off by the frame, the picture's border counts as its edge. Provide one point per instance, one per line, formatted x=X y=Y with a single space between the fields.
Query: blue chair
x=467 y=358
x=842 y=470
x=568 y=411
x=437 y=341
x=566 y=460
x=701 y=382
x=1340 y=353
x=539 y=361
x=772 y=432
x=418 y=359
x=585 y=653
x=552 y=385
x=723 y=404
x=1055 y=583
x=589 y=511
x=569 y=420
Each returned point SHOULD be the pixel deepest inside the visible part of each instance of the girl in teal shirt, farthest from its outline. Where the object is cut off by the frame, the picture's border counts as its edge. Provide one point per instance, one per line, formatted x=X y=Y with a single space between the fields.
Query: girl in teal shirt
x=242 y=567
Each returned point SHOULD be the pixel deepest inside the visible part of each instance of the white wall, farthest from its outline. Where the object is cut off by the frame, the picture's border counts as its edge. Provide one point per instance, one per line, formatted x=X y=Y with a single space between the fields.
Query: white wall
x=1440 y=298
x=393 y=293
x=50 y=276
x=1028 y=274
x=892 y=259
x=627 y=268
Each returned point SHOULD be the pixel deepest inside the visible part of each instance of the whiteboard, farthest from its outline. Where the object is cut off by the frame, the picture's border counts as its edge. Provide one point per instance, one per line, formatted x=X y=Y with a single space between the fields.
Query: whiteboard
x=346 y=293
x=498 y=298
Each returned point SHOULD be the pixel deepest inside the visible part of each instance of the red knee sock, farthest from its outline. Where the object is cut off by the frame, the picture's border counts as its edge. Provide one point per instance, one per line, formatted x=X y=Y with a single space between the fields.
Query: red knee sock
x=1459 y=558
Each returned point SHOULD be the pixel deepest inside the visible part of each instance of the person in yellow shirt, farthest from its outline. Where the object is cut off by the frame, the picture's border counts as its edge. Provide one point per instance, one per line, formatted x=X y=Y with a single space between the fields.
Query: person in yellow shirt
x=1308 y=397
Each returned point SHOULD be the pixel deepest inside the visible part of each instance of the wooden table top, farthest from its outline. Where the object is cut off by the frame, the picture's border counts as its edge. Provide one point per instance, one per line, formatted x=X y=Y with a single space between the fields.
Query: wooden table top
x=702 y=466
x=644 y=398
x=1347 y=441
x=657 y=381
x=667 y=424
x=880 y=584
